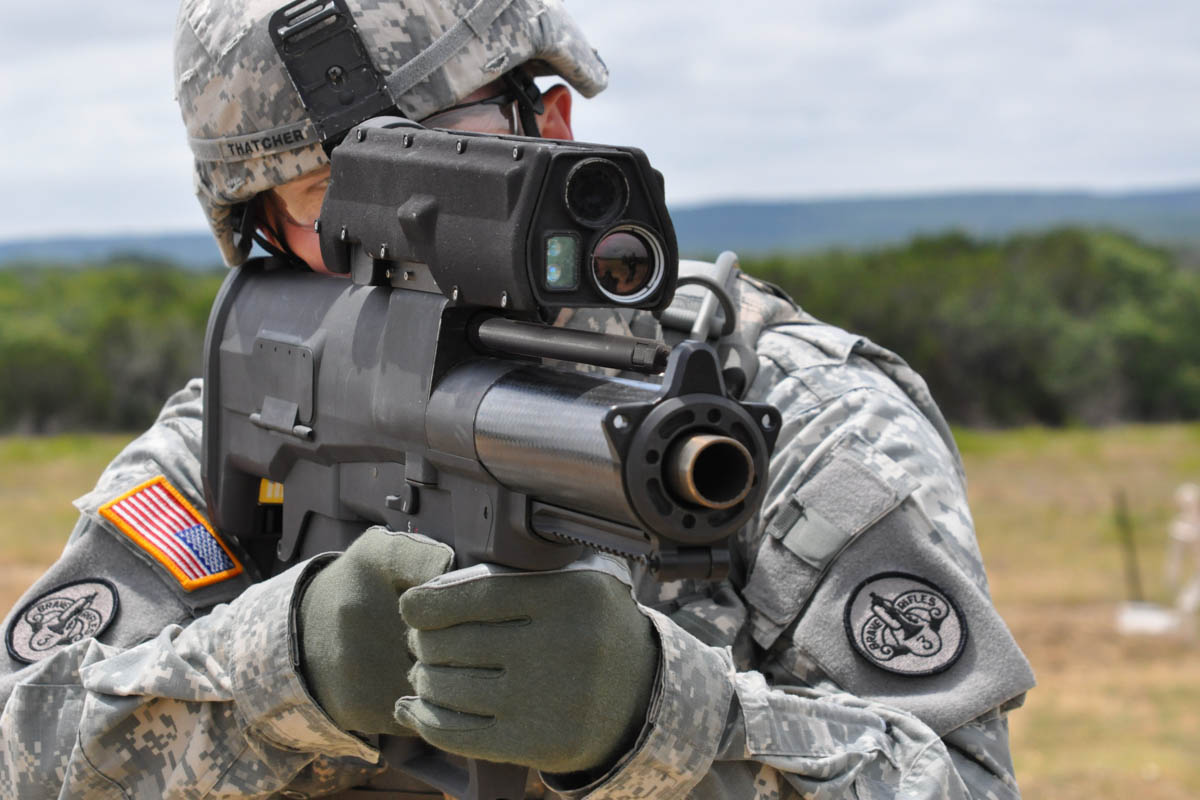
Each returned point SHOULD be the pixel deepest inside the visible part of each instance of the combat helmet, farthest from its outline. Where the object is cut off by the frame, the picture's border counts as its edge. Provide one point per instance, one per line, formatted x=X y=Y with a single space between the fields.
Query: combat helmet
x=249 y=127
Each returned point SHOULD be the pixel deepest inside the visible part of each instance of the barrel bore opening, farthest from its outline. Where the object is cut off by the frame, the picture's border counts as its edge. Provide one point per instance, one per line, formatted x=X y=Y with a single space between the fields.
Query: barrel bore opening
x=713 y=471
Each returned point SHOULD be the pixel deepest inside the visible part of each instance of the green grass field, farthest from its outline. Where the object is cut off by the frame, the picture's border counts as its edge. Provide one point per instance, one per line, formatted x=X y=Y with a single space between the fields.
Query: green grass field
x=1112 y=717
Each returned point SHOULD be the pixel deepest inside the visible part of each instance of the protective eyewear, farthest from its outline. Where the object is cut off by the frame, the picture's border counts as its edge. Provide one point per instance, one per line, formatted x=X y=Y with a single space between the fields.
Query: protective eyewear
x=511 y=112
x=498 y=114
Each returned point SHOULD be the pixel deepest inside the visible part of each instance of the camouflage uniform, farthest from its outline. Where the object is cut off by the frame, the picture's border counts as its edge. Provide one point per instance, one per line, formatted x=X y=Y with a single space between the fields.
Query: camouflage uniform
x=770 y=683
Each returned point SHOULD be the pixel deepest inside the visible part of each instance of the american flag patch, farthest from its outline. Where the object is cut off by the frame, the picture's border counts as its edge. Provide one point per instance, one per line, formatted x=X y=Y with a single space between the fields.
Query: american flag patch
x=165 y=525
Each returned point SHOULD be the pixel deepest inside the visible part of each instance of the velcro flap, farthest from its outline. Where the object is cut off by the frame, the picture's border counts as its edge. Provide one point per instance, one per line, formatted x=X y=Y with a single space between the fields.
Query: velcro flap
x=897 y=620
x=849 y=494
x=813 y=538
x=849 y=488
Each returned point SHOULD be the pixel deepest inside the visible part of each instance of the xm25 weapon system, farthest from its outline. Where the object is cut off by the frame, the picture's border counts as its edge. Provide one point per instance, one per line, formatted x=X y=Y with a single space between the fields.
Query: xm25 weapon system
x=431 y=392
x=414 y=395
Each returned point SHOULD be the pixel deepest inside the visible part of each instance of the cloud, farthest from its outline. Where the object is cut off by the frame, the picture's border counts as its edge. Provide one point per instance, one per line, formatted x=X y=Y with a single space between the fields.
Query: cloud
x=752 y=99
x=61 y=27
x=850 y=97
x=102 y=145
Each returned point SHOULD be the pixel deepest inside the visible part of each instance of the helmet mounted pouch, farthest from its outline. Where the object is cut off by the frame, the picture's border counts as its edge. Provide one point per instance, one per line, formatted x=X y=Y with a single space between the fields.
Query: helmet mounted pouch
x=327 y=62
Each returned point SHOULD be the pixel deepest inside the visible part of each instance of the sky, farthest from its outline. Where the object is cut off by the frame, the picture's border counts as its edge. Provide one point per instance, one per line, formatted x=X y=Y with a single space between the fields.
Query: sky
x=753 y=99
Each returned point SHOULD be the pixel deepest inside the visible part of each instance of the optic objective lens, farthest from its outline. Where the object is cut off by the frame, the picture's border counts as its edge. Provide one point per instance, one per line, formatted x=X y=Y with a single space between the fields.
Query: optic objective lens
x=624 y=264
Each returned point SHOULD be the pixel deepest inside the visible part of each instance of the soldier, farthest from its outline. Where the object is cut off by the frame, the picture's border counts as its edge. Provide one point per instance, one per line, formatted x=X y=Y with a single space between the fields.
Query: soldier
x=853 y=652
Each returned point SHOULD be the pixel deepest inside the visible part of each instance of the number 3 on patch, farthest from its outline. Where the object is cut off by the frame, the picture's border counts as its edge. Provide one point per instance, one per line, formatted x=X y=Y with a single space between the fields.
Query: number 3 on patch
x=164 y=524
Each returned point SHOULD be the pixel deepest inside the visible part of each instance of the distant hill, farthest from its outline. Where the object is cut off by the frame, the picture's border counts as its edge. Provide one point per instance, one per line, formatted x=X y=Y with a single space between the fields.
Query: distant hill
x=757 y=227
x=192 y=250
x=1167 y=217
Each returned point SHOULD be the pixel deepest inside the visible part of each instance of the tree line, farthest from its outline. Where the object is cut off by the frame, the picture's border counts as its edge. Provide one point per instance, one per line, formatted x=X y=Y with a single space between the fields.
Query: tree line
x=98 y=346
x=1064 y=327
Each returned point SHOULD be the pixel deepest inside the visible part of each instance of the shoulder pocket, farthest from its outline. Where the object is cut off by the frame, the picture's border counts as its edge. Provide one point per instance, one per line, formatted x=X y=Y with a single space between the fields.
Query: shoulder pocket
x=797 y=346
x=847 y=490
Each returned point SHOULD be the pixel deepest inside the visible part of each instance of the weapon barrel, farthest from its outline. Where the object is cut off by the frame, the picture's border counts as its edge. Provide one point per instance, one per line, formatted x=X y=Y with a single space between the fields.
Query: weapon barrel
x=711 y=471
x=540 y=431
x=680 y=462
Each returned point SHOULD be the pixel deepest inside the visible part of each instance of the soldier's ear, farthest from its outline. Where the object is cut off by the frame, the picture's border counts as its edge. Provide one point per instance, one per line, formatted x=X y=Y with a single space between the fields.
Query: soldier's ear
x=555 y=121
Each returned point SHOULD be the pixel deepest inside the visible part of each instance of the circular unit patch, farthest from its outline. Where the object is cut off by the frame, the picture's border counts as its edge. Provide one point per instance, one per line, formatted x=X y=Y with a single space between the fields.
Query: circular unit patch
x=905 y=624
x=61 y=617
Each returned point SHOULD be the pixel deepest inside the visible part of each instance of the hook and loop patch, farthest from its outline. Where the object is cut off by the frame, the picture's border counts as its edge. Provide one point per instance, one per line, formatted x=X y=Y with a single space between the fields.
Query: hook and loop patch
x=905 y=624
x=57 y=619
x=157 y=517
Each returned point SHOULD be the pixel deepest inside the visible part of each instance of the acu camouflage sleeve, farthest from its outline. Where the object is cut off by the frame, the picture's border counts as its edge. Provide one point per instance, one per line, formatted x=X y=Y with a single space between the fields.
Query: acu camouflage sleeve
x=182 y=695
x=761 y=692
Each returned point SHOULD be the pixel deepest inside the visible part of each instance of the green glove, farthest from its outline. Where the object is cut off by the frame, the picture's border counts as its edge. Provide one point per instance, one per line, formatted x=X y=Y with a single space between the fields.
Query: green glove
x=354 y=652
x=551 y=670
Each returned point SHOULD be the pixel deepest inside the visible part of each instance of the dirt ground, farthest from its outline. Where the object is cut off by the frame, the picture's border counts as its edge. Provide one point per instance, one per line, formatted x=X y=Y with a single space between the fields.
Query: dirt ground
x=1112 y=717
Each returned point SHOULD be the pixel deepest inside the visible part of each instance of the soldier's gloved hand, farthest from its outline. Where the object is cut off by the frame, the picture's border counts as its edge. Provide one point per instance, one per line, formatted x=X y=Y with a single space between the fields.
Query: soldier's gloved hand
x=551 y=670
x=353 y=641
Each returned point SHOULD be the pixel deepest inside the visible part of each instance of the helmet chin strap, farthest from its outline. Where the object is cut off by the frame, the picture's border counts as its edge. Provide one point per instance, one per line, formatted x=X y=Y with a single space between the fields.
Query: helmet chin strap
x=284 y=253
x=254 y=223
x=529 y=99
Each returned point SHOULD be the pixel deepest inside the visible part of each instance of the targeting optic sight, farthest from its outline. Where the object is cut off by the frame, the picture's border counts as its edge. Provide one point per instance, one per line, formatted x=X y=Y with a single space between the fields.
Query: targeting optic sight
x=507 y=222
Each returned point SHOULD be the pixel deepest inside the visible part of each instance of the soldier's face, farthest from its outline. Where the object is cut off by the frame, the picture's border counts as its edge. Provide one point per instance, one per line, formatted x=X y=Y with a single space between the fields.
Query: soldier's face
x=292 y=208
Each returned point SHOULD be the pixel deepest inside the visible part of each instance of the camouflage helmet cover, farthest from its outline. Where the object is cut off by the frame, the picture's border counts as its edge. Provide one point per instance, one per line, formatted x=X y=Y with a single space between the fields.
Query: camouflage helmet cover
x=248 y=129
